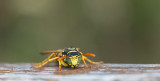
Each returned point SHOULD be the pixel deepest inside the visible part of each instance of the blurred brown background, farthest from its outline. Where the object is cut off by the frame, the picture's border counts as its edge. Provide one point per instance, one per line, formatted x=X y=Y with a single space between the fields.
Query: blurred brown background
x=117 y=31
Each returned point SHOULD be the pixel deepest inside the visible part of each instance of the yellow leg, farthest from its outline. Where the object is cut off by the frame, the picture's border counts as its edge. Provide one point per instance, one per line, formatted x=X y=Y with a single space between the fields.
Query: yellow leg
x=36 y=64
x=85 y=58
x=42 y=64
x=61 y=62
x=78 y=49
x=59 y=65
x=49 y=57
x=90 y=54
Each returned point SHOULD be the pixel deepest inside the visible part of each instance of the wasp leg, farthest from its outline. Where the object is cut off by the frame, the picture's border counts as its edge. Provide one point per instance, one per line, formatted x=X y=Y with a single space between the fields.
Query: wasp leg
x=36 y=64
x=60 y=64
x=60 y=61
x=90 y=54
x=85 y=58
x=42 y=64
x=78 y=49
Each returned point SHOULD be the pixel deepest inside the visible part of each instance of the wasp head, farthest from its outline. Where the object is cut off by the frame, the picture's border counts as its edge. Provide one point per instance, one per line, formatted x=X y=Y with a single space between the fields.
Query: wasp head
x=74 y=59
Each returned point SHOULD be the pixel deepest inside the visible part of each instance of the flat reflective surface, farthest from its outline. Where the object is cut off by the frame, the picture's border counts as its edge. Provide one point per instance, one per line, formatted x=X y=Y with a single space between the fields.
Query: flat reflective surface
x=104 y=72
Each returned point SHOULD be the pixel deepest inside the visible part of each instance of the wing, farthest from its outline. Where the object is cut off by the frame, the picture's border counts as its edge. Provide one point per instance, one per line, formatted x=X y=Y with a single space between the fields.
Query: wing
x=49 y=52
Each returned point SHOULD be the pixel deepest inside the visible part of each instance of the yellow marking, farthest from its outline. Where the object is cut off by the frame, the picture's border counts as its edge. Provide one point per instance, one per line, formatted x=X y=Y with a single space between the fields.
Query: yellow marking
x=71 y=51
x=74 y=60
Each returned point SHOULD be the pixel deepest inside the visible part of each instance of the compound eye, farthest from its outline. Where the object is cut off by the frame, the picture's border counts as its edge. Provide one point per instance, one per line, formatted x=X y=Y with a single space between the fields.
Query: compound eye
x=68 y=54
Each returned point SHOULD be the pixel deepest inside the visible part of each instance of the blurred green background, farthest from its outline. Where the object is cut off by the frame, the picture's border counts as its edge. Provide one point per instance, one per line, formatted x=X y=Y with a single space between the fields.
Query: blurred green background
x=117 y=31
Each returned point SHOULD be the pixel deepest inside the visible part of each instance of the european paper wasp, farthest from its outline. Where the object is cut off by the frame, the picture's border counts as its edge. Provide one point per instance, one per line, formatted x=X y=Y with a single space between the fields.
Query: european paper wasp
x=69 y=57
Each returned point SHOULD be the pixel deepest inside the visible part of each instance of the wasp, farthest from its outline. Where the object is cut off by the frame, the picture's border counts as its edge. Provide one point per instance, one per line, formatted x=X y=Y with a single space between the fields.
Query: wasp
x=69 y=57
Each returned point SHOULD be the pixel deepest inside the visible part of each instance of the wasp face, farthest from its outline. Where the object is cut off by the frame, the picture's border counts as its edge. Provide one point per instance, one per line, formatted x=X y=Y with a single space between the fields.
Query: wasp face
x=73 y=61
